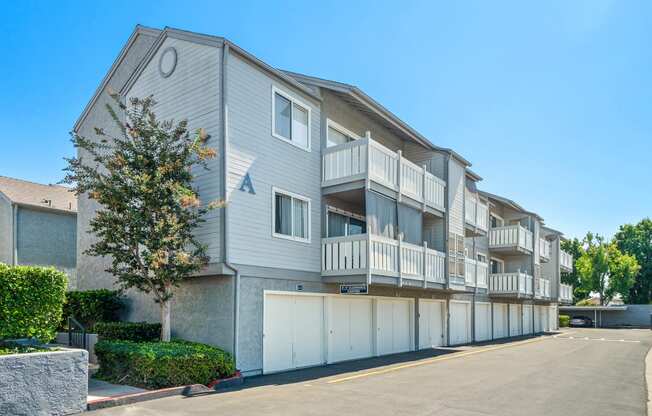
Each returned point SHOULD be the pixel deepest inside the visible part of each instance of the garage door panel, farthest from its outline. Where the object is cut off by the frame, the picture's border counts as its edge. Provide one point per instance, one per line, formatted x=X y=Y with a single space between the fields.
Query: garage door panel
x=351 y=326
x=460 y=323
x=431 y=323
x=278 y=333
x=515 y=318
x=527 y=319
x=393 y=326
x=482 y=321
x=500 y=323
x=309 y=331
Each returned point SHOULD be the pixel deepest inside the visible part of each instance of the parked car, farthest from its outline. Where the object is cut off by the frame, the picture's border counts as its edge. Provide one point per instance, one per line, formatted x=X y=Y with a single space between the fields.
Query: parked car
x=581 y=321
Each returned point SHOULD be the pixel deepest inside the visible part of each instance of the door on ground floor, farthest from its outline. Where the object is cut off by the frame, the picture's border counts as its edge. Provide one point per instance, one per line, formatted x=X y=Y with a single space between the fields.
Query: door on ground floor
x=500 y=323
x=393 y=325
x=482 y=321
x=538 y=327
x=527 y=319
x=460 y=322
x=350 y=328
x=554 y=318
x=515 y=319
x=293 y=333
x=432 y=323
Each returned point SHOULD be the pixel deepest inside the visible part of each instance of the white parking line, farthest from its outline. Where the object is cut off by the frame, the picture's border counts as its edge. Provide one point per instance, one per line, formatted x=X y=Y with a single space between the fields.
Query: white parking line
x=597 y=339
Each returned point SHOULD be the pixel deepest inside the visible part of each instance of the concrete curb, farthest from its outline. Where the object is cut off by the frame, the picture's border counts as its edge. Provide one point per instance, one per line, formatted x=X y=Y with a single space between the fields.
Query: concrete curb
x=190 y=390
x=648 y=381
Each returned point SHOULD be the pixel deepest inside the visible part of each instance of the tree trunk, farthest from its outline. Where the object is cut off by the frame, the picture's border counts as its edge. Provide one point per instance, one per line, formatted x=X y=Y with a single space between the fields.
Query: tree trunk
x=165 y=321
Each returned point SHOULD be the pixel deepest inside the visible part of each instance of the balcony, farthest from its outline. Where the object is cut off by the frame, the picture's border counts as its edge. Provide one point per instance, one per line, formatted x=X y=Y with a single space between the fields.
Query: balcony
x=477 y=273
x=545 y=247
x=368 y=163
x=372 y=255
x=565 y=261
x=476 y=214
x=565 y=293
x=541 y=288
x=510 y=284
x=511 y=238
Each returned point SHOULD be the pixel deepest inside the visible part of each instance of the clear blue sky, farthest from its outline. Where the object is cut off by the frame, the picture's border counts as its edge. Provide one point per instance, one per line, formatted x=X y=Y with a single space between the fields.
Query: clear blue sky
x=552 y=103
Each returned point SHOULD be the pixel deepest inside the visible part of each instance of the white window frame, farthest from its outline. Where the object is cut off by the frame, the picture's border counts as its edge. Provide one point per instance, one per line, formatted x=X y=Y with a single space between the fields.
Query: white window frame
x=293 y=100
x=502 y=220
x=502 y=262
x=292 y=195
x=336 y=126
x=483 y=255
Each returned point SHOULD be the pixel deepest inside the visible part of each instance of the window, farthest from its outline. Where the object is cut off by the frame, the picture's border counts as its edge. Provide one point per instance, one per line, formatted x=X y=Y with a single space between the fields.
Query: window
x=496 y=221
x=290 y=119
x=481 y=258
x=291 y=214
x=341 y=223
x=338 y=134
x=497 y=266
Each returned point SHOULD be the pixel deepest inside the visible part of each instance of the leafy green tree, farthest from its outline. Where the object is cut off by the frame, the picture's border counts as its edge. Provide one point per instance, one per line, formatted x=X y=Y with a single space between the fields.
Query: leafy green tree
x=637 y=241
x=142 y=178
x=604 y=269
x=576 y=249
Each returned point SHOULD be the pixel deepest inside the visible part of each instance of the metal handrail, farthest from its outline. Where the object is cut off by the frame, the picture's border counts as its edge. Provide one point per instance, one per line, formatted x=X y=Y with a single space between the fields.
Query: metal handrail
x=76 y=333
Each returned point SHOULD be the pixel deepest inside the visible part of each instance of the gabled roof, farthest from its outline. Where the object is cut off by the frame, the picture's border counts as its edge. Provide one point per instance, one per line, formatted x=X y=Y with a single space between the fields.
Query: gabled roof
x=510 y=203
x=359 y=98
x=33 y=194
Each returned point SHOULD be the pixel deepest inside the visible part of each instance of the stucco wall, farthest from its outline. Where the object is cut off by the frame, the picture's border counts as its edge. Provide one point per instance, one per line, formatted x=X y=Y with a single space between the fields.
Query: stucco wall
x=44 y=384
x=46 y=238
x=5 y=231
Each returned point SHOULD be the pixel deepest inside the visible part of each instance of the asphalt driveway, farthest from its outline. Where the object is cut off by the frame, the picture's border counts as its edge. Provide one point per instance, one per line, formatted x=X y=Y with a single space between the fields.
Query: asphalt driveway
x=578 y=372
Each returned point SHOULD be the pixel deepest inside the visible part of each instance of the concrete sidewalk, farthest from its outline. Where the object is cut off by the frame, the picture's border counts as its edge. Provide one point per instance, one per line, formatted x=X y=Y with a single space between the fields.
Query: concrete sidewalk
x=102 y=390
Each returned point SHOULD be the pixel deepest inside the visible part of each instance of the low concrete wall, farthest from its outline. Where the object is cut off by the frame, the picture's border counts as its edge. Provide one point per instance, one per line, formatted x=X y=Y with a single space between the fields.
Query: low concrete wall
x=634 y=315
x=44 y=383
x=91 y=340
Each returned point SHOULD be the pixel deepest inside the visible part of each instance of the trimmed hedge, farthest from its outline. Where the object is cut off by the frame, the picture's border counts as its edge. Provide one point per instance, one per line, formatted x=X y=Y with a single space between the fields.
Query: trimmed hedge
x=161 y=364
x=128 y=331
x=564 y=320
x=31 y=301
x=92 y=306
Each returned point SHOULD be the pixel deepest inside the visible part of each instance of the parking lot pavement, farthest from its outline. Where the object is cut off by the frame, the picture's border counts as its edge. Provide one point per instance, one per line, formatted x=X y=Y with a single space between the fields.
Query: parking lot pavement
x=577 y=372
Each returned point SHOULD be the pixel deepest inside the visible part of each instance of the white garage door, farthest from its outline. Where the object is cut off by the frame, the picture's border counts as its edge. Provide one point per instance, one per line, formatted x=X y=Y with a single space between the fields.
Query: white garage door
x=350 y=328
x=501 y=327
x=527 y=319
x=293 y=332
x=431 y=323
x=515 y=319
x=460 y=322
x=482 y=321
x=537 y=319
x=393 y=325
x=554 y=319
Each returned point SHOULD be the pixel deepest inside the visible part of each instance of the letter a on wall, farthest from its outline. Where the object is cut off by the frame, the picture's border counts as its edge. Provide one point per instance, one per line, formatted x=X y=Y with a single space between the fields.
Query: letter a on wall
x=247 y=185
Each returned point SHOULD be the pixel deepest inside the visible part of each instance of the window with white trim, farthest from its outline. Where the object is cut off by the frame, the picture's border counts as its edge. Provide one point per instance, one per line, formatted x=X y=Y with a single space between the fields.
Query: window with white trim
x=482 y=258
x=291 y=216
x=290 y=119
x=337 y=134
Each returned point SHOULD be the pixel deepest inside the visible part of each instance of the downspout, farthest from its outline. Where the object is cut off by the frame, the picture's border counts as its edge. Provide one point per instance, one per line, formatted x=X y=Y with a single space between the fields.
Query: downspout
x=225 y=210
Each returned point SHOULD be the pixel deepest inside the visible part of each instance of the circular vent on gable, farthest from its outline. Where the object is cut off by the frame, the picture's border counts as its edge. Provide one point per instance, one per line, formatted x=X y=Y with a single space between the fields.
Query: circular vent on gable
x=167 y=62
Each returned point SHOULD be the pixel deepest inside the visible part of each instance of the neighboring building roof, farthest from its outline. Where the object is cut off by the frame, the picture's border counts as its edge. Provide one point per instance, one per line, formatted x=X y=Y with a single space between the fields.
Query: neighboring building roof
x=360 y=98
x=509 y=202
x=33 y=194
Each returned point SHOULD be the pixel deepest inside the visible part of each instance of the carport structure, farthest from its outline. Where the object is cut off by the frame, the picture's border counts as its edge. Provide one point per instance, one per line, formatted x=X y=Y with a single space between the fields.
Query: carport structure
x=592 y=311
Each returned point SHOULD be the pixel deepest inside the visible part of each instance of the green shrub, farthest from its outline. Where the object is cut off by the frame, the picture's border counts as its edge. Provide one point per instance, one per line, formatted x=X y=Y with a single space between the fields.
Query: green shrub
x=128 y=331
x=91 y=306
x=31 y=301
x=564 y=320
x=161 y=364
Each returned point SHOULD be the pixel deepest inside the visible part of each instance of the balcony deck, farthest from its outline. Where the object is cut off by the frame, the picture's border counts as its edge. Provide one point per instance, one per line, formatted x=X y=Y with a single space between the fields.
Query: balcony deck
x=367 y=163
x=364 y=257
x=511 y=239
x=515 y=285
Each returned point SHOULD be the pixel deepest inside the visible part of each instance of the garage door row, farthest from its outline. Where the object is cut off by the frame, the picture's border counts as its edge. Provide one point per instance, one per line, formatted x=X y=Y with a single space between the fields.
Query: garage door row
x=307 y=329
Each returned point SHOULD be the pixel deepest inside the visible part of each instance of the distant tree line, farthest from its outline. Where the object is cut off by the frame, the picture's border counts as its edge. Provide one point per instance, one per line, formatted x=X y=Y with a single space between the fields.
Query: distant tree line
x=622 y=265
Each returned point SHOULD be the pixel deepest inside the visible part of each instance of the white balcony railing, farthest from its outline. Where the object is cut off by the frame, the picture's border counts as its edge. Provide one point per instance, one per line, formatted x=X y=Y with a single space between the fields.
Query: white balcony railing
x=476 y=273
x=541 y=288
x=511 y=236
x=359 y=254
x=565 y=261
x=368 y=159
x=482 y=275
x=544 y=249
x=469 y=272
x=510 y=283
x=566 y=293
x=476 y=213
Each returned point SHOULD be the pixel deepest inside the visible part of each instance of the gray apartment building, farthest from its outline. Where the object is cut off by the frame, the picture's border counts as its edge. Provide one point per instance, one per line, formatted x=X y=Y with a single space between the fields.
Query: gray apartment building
x=38 y=225
x=347 y=234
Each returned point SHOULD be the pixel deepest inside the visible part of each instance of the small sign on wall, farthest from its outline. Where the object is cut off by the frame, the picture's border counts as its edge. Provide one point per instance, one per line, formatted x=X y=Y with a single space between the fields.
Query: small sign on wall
x=355 y=289
x=247 y=185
